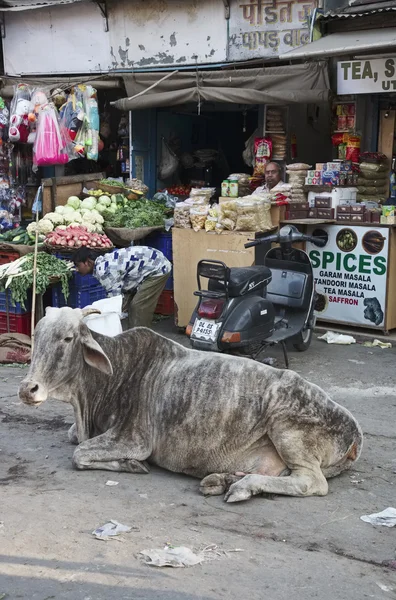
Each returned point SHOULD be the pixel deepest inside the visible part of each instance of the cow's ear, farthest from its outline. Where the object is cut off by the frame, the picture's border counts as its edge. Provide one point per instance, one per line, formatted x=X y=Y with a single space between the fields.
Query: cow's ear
x=93 y=353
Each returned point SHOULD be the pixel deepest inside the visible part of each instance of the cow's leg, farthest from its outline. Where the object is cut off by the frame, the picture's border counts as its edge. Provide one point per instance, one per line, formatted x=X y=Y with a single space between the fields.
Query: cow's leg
x=297 y=451
x=72 y=434
x=301 y=482
x=217 y=483
x=107 y=452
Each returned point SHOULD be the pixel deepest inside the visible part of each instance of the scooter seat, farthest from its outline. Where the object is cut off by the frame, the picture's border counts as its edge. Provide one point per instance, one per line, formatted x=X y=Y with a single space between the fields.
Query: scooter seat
x=243 y=280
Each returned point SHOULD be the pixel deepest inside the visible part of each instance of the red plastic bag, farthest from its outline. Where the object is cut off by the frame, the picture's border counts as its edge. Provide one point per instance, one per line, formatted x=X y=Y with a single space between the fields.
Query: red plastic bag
x=51 y=143
x=262 y=155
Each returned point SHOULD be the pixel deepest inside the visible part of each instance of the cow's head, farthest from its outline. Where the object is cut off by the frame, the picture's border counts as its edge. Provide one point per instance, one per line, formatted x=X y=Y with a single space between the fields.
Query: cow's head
x=62 y=342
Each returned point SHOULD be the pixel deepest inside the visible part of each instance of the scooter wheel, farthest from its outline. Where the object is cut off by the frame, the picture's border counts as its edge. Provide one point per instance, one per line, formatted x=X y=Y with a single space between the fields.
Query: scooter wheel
x=303 y=340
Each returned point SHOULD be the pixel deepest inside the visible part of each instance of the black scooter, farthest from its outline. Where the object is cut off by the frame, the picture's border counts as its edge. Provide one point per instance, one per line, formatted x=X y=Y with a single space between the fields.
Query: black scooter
x=245 y=309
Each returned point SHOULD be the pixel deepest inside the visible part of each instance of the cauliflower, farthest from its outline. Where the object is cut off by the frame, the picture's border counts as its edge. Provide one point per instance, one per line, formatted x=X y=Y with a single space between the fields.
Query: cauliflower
x=89 y=203
x=60 y=227
x=60 y=210
x=88 y=217
x=45 y=226
x=91 y=228
x=77 y=218
x=74 y=202
x=67 y=210
x=55 y=218
x=97 y=216
x=69 y=217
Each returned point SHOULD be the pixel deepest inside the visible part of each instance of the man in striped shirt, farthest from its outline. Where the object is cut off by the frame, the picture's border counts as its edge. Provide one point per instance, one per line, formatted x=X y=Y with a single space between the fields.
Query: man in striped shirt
x=139 y=273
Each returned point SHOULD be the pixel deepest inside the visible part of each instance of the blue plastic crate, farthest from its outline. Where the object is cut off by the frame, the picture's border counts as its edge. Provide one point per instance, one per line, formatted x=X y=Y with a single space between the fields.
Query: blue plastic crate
x=169 y=283
x=83 y=281
x=17 y=309
x=161 y=241
x=78 y=297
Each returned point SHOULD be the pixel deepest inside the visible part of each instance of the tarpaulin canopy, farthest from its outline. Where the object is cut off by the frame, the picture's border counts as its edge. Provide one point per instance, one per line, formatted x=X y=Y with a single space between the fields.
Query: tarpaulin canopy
x=307 y=83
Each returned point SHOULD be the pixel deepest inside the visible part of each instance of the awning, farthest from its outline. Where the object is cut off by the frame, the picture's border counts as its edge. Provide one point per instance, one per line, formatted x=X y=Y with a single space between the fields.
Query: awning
x=49 y=83
x=307 y=83
x=346 y=42
x=15 y=5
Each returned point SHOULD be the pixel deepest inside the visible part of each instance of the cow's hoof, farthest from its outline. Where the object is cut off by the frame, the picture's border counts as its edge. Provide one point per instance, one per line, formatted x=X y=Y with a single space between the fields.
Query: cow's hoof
x=238 y=493
x=214 y=484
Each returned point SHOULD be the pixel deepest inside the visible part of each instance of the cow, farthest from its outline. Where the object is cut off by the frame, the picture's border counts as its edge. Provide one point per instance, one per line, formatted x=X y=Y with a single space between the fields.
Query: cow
x=139 y=398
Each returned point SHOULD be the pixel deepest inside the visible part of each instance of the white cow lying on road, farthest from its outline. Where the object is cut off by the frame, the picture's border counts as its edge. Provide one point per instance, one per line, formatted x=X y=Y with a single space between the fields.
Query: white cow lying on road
x=140 y=398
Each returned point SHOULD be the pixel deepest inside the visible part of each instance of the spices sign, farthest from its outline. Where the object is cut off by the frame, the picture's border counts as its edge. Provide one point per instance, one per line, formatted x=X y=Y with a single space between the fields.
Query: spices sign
x=261 y=28
x=366 y=76
x=350 y=274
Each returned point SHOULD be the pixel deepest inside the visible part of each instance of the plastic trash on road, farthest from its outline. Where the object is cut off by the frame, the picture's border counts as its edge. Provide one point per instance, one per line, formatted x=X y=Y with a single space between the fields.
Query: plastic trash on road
x=110 y=529
x=387 y=518
x=337 y=338
x=377 y=344
x=172 y=557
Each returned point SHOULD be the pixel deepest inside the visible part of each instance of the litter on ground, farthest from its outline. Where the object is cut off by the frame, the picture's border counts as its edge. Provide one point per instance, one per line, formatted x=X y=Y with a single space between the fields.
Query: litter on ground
x=110 y=530
x=377 y=344
x=387 y=517
x=337 y=338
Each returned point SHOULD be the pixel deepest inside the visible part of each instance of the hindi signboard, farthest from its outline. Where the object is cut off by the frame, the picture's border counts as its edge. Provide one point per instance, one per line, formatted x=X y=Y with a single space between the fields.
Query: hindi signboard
x=267 y=28
x=366 y=76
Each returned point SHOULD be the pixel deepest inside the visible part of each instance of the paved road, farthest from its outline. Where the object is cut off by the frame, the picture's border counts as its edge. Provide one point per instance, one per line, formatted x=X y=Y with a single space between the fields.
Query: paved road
x=298 y=548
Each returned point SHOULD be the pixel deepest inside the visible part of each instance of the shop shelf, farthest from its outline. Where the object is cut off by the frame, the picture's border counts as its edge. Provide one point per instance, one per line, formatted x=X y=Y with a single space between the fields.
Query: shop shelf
x=165 y=304
x=17 y=323
x=79 y=297
x=17 y=309
x=7 y=257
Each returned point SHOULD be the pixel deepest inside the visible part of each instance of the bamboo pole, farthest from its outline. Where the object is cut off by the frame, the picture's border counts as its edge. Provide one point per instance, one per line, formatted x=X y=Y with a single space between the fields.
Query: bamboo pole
x=32 y=323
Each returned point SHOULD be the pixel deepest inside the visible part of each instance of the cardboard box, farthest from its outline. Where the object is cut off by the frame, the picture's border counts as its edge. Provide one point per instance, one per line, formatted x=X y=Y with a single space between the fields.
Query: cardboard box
x=298 y=206
x=344 y=210
x=324 y=202
x=388 y=220
x=344 y=218
x=319 y=166
x=291 y=215
x=330 y=178
x=325 y=213
x=358 y=209
x=332 y=166
x=314 y=173
x=375 y=217
x=358 y=218
x=313 y=213
x=313 y=181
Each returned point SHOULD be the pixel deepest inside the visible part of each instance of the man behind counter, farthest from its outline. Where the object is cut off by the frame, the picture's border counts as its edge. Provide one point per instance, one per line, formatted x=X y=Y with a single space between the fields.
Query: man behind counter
x=272 y=178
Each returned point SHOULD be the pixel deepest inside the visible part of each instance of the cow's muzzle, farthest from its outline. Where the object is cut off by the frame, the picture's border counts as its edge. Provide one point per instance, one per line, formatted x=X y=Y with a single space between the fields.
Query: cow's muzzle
x=32 y=392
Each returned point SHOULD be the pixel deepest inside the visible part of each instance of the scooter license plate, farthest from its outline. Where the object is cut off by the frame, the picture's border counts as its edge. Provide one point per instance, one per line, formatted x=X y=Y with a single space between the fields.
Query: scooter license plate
x=206 y=330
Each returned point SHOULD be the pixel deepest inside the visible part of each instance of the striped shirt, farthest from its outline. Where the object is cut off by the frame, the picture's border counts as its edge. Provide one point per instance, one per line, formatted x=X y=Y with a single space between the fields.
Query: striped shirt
x=124 y=269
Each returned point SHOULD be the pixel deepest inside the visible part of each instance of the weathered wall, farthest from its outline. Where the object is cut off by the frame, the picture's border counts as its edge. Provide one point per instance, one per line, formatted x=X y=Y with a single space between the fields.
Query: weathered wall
x=62 y=39
x=142 y=33
x=145 y=33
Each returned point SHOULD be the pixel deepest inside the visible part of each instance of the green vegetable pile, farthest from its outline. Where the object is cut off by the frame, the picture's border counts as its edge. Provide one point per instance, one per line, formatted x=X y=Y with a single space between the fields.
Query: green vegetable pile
x=16 y=236
x=139 y=213
x=113 y=183
x=18 y=275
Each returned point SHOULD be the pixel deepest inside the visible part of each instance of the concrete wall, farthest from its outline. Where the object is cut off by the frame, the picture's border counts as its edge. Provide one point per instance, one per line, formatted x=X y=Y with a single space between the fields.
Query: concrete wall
x=142 y=33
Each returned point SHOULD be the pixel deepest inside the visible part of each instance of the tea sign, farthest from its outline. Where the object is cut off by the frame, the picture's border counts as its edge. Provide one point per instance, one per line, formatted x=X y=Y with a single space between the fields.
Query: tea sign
x=368 y=76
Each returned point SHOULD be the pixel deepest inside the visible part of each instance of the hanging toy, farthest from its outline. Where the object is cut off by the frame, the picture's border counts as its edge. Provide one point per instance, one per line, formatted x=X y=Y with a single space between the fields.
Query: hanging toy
x=20 y=108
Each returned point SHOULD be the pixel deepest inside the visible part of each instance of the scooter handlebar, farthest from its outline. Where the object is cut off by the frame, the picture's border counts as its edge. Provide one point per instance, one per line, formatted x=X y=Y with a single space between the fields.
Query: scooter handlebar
x=294 y=238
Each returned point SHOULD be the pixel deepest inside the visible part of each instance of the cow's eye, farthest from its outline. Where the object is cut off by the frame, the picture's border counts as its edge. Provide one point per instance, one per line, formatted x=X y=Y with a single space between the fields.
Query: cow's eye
x=68 y=339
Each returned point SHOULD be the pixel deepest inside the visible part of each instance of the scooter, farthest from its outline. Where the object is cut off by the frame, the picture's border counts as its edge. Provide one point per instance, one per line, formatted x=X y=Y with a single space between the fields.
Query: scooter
x=246 y=309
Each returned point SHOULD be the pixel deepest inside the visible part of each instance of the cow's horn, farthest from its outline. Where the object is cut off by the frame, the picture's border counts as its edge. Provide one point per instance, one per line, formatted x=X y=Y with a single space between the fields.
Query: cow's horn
x=90 y=311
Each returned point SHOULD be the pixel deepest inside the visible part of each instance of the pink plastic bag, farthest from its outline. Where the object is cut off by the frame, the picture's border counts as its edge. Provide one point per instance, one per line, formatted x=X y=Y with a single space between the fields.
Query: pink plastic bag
x=51 y=144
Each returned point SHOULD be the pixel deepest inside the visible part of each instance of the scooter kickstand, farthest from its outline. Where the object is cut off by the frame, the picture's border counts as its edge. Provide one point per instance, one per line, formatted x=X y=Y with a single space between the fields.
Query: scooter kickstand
x=286 y=357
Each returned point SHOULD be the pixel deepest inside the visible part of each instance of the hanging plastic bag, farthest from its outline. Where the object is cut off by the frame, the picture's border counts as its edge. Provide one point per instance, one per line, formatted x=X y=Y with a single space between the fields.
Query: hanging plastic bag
x=4 y=119
x=92 y=119
x=169 y=162
x=50 y=146
x=262 y=154
x=72 y=113
x=248 y=153
x=38 y=101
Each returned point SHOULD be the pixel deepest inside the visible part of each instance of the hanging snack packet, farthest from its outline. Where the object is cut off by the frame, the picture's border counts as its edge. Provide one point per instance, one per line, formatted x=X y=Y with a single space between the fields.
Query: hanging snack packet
x=262 y=154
